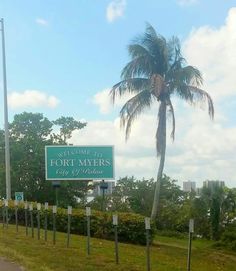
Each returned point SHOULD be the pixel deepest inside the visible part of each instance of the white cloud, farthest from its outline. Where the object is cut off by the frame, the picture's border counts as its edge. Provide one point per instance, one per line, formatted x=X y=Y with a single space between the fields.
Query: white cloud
x=104 y=101
x=130 y=157
x=41 y=21
x=32 y=99
x=115 y=10
x=186 y=2
x=212 y=50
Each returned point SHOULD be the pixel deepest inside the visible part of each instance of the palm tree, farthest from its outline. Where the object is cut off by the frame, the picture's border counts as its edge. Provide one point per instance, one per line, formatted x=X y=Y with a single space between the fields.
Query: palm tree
x=155 y=73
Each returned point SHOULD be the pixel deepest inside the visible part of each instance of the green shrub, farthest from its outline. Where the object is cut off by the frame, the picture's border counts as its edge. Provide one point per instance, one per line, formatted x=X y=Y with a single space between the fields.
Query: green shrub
x=131 y=228
x=228 y=238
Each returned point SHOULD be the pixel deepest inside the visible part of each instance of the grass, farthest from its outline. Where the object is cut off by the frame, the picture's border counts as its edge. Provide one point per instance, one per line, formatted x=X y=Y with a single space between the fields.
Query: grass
x=167 y=254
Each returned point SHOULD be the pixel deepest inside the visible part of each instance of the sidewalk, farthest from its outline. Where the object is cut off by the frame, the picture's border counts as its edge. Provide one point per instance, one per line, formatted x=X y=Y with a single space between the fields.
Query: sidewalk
x=9 y=266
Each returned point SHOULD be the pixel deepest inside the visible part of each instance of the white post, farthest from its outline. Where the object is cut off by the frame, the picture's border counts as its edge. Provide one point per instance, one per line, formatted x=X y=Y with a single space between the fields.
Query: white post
x=7 y=148
x=148 y=228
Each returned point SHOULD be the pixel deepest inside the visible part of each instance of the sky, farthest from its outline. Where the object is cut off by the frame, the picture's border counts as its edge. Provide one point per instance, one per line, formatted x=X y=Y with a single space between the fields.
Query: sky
x=63 y=56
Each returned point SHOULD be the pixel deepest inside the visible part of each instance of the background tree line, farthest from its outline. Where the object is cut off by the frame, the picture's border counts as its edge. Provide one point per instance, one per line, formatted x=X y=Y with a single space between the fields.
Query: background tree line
x=213 y=209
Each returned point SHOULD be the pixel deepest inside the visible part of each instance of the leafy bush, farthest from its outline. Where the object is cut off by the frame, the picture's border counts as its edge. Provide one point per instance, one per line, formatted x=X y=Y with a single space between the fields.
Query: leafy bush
x=131 y=226
x=228 y=238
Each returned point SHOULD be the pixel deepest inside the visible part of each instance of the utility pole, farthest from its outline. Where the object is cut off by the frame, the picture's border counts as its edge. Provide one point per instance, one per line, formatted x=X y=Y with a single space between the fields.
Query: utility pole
x=7 y=148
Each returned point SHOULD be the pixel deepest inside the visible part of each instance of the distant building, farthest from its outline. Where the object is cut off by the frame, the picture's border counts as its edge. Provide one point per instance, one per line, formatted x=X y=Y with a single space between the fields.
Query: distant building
x=189 y=186
x=198 y=191
x=213 y=184
x=97 y=191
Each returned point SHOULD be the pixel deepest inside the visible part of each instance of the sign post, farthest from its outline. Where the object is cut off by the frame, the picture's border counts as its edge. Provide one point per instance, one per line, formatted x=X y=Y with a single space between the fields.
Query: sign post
x=54 y=213
x=38 y=218
x=148 y=227
x=26 y=217
x=103 y=187
x=3 y=215
x=115 y=224
x=16 y=214
x=69 y=212
x=56 y=185
x=46 y=221
x=88 y=214
x=31 y=219
x=191 y=231
x=6 y=211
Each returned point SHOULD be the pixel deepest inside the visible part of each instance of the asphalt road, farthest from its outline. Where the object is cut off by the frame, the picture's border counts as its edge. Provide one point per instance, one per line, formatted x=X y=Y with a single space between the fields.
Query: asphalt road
x=9 y=266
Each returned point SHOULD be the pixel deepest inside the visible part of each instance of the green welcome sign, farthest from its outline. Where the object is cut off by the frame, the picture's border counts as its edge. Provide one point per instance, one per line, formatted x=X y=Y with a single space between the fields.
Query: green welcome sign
x=79 y=162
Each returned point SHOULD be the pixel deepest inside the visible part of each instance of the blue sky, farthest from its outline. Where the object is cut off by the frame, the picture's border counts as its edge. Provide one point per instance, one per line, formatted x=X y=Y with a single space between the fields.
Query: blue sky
x=63 y=56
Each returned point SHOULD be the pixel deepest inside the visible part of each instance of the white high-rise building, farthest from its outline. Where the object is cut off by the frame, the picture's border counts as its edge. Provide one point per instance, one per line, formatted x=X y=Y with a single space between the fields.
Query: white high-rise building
x=213 y=184
x=189 y=186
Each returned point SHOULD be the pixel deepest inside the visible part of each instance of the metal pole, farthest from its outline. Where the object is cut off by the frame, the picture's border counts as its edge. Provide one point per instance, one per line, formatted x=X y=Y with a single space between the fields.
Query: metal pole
x=38 y=219
x=7 y=216
x=56 y=191
x=68 y=231
x=3 y=216
x=189 y=251
x=46 y=221
x=26 y=218
x=69 y=212
x=6 y=207
x=88 y=214
x=148 y=228
x=191 y=231
x=32 y=224
x=7 y=148
x=103 y=199
x=16 y=215
x=88 y=235
x=54 y=224
x=148 y=251
x=115 y=224
x=116 y=245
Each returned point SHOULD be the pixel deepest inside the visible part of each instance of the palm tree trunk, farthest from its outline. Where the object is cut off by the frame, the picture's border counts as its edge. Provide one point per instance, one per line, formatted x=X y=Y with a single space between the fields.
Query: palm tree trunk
x=161 y=137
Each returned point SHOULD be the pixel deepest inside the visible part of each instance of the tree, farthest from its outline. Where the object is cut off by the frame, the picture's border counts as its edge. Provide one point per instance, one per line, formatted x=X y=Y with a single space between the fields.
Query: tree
x=67 y=126
x=156 y=72
x=29 y=133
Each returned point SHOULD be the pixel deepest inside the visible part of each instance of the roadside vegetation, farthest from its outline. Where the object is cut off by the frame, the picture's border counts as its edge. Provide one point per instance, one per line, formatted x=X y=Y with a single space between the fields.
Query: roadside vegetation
x=167 y=254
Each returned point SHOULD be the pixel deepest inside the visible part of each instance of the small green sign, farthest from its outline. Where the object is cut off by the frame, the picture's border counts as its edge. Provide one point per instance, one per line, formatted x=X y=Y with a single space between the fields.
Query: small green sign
x=79 y=162
x=19 y=196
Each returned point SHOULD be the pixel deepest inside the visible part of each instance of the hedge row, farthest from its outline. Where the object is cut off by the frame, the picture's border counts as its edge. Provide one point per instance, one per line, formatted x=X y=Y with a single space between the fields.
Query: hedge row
x=131 y=227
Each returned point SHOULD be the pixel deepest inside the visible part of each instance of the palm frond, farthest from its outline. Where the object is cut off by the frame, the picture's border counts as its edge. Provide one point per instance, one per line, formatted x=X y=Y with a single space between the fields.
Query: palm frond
x=191 y=75
x=156 y=45
x=142 y=66
x=182 y=90
x=133 y=85
x=180 y=78
x=173 y=48
x=133 y=108
x=188 y=75
x=137 y=50
x=200 y=95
